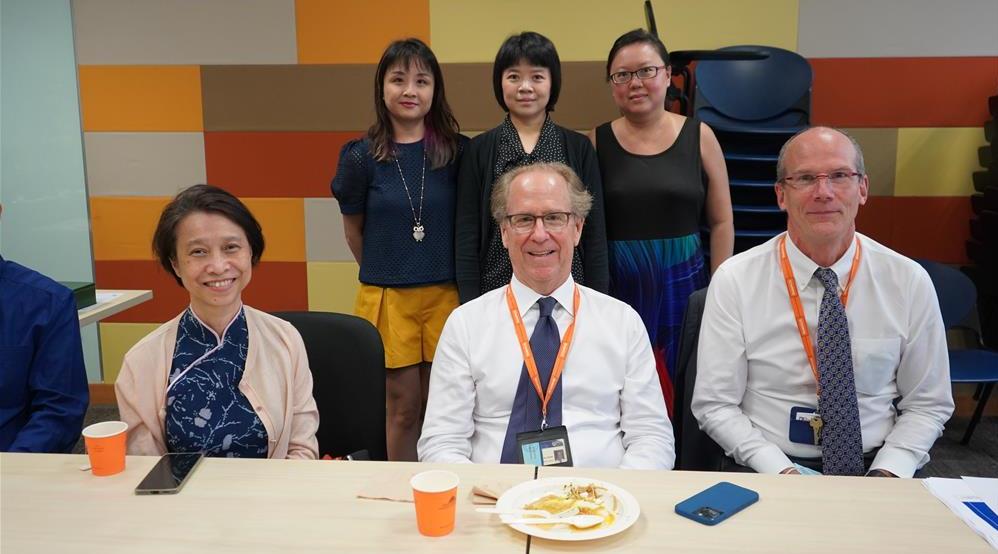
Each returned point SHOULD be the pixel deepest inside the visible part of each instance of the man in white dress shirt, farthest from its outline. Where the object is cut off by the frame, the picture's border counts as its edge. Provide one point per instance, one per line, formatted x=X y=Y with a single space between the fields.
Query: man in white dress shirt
x=482 y=396
x=757 y=388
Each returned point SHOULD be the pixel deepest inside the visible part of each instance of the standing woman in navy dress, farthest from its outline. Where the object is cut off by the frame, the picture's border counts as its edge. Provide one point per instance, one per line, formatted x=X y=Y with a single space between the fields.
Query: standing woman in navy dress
x=662 y=174
x=396 y=190
x=526 y=79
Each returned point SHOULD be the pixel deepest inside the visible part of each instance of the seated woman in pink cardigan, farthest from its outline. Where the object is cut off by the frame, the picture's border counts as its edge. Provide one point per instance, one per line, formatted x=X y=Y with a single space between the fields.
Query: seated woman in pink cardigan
x=221 y=377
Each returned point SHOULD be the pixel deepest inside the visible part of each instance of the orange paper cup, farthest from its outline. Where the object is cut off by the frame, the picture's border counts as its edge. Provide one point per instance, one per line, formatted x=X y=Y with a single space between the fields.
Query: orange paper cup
x=106 y=447
x=435 y=495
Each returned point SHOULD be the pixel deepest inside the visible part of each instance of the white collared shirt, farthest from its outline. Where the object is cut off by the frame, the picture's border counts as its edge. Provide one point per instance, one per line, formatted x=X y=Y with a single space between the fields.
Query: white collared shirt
x=752 y=368
x=612 y=402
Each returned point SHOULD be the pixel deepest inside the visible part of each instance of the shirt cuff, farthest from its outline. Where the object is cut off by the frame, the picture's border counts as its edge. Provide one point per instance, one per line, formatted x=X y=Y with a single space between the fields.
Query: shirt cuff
x=769 y=459
x=898 y=461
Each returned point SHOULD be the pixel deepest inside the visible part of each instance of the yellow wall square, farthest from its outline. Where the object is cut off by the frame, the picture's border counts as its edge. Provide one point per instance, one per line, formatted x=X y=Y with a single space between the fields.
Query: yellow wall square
x=332 y=286
x=937 y=161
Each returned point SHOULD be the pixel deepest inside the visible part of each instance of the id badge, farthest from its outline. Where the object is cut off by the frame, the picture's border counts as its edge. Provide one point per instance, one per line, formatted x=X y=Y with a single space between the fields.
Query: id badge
x=801 y=430
x=548 y=447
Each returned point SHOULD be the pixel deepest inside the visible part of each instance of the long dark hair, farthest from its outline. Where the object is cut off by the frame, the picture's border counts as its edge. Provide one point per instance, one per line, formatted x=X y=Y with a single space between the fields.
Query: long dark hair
x=441 y=136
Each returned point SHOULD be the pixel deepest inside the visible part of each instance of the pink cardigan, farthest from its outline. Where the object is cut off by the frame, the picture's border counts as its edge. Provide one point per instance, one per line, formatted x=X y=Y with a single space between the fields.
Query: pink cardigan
x=276 y=381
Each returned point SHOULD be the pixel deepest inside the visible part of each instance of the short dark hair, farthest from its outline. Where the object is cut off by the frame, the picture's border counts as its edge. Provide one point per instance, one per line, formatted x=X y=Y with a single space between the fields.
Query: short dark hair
x=536 y=49
x=637 y=36
x=204 y=199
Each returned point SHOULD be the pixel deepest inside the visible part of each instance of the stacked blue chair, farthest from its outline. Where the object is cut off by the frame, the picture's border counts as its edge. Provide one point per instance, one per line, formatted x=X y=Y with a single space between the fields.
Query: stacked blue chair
x=754 y=106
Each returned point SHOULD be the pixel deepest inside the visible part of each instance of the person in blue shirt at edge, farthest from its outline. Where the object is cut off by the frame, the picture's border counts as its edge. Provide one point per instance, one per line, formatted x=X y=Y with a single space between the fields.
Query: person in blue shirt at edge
x=43 y=381
x=496 y=398
x=396 y=190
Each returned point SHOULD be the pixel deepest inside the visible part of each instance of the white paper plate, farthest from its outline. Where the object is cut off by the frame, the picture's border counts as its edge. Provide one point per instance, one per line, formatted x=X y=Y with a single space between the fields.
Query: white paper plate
x=529 y=491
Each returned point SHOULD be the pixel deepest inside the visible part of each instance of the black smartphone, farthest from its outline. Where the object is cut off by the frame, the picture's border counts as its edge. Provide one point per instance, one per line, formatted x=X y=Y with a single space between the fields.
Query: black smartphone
x=716 y=503
x=170 y=473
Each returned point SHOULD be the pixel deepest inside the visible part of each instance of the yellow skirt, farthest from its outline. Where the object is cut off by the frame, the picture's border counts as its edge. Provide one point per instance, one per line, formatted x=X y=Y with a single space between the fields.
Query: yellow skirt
x=409 y=319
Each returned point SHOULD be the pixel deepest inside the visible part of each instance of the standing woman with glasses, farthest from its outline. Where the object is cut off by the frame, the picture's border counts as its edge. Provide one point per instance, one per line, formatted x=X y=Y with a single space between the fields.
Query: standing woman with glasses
x=526 y=79
x=653 y=164
x=396 y=190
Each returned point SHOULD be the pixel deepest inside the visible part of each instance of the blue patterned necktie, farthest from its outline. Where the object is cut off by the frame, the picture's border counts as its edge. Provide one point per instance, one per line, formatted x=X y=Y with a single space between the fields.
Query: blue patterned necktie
x=526 y=412
x=841 y=435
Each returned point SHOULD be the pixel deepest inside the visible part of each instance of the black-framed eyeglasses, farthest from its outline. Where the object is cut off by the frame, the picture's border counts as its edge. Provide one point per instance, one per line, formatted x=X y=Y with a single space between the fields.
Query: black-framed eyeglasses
x=525 y=223
x=804 y=181
x=624 y=77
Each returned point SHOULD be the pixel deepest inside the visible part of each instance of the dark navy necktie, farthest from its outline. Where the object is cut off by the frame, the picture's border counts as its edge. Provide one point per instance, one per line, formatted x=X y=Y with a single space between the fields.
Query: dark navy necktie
x=841 y=434
x=526 y=412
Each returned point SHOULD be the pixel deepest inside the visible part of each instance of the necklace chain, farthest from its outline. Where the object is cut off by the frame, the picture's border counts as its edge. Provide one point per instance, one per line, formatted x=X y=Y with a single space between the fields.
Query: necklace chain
x=418 y=231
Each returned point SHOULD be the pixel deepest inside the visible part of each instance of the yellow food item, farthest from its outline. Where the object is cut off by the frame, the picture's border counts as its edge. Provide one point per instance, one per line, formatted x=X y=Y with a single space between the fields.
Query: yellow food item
x=587 y=499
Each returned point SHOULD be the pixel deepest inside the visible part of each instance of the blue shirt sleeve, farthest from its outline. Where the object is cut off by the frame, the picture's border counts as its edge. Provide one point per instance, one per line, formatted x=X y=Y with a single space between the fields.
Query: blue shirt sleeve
x=353 y=177
x=57 y=382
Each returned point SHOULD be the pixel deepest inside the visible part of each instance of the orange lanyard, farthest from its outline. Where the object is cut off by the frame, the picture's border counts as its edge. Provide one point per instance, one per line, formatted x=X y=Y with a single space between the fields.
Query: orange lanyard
x=528 y=355
x=788 y=279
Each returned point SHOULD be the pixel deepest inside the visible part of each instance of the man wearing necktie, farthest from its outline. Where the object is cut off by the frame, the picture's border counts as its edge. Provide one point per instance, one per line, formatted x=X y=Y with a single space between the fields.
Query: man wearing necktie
x=822 y=350
x=545 y=363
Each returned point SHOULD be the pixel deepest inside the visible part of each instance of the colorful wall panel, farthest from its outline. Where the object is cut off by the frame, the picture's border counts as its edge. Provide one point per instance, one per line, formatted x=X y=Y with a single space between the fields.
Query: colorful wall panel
x=259 y=97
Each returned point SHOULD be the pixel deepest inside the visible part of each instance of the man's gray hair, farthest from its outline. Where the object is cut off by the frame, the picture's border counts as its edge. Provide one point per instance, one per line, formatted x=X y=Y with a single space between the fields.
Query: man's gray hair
x=858 y=161
x=580 y=198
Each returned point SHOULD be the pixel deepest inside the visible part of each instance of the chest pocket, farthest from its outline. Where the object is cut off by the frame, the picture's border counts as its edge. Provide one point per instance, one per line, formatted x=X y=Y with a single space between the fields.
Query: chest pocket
x=14 y=364
x=875 y=363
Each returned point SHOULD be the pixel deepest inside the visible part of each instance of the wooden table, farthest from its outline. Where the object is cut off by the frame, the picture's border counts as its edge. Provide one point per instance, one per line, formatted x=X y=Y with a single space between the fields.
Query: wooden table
x=122 y=300
x=48 y=505
x=862 y=514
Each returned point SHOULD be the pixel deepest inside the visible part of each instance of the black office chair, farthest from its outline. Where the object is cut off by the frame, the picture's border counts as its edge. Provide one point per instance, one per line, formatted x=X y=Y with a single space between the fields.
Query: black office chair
x=348 y=369
x=695 y=450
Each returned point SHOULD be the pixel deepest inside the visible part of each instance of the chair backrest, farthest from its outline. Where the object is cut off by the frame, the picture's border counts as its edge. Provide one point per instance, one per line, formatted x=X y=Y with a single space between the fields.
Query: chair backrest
x=957 y=295
x=695 y=450
x=348 y=370
x=774 y=92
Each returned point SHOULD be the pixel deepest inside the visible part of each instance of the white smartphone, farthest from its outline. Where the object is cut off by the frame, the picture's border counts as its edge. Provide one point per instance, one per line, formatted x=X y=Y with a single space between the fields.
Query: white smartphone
x=170 y=473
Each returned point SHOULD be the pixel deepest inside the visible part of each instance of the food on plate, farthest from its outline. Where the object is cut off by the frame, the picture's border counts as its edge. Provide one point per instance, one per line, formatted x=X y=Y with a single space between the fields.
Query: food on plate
x=588 y=499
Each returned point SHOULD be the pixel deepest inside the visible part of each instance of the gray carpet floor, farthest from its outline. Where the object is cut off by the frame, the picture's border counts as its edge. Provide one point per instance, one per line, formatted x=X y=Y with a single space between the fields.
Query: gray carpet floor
x=949 y=457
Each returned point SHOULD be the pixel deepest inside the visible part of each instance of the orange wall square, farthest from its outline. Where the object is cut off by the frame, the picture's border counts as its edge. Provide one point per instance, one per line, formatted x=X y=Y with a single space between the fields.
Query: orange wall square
x=141 y=98
x=283 y=222
x=122 y=226
x=269 y=164
x=347 y=31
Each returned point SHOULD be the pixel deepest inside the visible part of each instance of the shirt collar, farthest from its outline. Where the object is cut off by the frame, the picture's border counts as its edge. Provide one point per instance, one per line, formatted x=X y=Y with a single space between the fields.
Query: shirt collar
x=804 y=267
x=197 y=320
x=526 y=297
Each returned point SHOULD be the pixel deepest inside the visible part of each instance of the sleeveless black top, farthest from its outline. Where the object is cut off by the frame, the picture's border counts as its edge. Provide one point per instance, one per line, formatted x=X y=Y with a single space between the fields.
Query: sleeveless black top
x=652 y=196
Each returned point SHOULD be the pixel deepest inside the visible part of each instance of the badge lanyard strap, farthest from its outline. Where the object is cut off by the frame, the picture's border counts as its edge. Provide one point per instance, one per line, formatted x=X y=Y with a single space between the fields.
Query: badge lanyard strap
x=795 y=303
x=528 y=355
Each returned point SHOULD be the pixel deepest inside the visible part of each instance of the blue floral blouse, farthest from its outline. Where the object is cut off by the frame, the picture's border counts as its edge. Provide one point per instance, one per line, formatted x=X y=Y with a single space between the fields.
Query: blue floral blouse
x=205 y=410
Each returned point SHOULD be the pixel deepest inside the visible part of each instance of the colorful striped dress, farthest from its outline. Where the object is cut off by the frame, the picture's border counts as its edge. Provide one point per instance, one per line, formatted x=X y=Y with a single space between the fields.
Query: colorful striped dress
x=654 y=209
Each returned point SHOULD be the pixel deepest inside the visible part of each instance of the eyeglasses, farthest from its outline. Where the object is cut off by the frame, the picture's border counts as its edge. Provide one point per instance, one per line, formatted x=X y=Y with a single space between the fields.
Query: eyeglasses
x=552 y=221
x=805 y=181
x=624 y=77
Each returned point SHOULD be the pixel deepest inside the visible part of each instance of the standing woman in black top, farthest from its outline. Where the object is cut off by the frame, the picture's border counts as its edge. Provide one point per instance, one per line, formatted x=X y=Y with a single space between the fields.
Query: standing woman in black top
x=526 y=78
x=396 y=190
x=653 y=164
